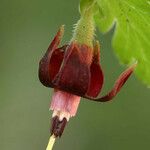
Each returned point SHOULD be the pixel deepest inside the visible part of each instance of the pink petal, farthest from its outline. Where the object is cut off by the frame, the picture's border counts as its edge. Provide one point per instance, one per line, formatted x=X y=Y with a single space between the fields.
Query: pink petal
x=65 y=102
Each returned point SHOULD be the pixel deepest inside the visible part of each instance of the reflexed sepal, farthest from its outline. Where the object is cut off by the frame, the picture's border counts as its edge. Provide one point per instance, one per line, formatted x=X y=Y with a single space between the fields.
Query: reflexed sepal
x=117 y=86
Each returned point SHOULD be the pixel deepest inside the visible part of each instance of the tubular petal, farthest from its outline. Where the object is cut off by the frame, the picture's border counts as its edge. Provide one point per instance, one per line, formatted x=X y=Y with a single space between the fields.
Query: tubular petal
x=117 y=86
x=65 y=102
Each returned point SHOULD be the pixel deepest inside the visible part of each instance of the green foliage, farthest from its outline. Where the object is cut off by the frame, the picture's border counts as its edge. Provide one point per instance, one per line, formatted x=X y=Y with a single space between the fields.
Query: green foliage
x=131 y=19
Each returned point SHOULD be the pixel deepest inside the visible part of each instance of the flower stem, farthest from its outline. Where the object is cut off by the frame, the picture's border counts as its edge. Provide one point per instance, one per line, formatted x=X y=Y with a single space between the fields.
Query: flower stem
x=51 y=143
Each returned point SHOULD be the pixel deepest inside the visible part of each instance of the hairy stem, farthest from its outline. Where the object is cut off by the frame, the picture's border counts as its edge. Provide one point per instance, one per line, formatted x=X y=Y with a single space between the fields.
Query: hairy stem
x=84 y=29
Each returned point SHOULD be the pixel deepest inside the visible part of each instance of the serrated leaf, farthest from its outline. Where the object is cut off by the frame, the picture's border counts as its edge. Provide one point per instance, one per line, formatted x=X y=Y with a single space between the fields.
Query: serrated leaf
x=132 y=31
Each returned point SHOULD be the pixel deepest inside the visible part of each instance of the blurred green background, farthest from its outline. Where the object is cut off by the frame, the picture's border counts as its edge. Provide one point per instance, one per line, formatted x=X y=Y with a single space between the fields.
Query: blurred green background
x=26 y=29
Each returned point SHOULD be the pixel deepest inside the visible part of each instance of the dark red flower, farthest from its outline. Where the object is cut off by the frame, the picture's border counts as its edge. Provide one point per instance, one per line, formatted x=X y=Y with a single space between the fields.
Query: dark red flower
x=74 y=71
x=75 y=68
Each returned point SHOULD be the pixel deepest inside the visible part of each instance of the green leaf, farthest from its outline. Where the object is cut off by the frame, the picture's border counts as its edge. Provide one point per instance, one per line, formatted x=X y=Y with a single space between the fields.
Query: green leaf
x=131 y=39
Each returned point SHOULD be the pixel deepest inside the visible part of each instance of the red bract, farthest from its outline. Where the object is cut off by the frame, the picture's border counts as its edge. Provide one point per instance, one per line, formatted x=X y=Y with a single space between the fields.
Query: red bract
x=75 y=68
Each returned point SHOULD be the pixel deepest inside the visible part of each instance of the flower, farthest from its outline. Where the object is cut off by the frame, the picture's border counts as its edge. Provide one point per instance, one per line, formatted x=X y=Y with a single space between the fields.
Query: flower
x=74 y=71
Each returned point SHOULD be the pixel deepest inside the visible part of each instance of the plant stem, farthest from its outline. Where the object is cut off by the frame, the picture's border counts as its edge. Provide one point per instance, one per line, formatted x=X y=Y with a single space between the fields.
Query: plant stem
x=84 y=29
